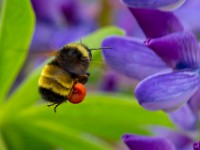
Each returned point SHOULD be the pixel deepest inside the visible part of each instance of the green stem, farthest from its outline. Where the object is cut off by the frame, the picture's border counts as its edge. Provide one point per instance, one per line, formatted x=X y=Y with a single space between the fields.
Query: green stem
x=105 y=17
x=2 y=143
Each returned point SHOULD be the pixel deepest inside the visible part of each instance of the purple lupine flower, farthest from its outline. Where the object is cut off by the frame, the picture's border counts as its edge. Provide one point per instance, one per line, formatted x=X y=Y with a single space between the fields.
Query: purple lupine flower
x=60 y=22
x=139 y=142
x=196 y=146
x=109 y=82
x=153 y=4
x=168 y=67
x=190 y=22
x=166 y=23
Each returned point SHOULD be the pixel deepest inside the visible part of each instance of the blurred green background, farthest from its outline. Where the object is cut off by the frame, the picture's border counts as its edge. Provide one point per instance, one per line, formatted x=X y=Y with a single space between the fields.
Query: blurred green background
x=107 y=112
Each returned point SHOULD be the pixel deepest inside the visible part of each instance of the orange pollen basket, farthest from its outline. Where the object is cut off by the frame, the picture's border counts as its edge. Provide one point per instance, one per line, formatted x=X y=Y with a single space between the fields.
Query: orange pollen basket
x=78 y=94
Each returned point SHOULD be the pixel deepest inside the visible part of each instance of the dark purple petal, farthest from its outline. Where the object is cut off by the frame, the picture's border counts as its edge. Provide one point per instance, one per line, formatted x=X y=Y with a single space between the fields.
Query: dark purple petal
x=180 y=50
x=39 y=11
x=109 y=82
x=71 y=12
x=153 y=3
x=196 y=146
x=179 y=139
x=138 y=142
x=195 y=102
x=188 y=122
x=156 y=23
x=131 y=58
x=167 y=91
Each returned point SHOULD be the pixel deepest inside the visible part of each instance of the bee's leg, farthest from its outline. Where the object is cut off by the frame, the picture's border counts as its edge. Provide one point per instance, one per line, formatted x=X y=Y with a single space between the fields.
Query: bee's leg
x=56 y=107
x=71 y=91
x=83 y=78
x=51 y=104
x=88 y=74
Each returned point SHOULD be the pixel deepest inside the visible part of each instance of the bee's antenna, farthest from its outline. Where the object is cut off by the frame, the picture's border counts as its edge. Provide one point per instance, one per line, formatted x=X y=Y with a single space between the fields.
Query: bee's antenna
x=100 y=48
x=81 y=41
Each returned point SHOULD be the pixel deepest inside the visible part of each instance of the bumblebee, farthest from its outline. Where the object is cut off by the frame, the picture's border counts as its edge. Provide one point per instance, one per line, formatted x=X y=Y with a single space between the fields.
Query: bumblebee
x=64 y=77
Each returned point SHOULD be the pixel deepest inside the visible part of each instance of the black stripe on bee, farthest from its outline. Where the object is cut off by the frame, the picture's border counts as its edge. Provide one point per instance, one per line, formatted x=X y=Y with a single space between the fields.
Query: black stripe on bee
x=51 y=96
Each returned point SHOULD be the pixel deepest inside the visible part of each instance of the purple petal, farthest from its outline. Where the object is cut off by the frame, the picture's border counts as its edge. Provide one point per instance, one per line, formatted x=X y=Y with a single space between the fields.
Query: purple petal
x=71 y=12
x=46 y=10
x=188 y=122
x=195 y=102
x=166 y=22
x=179 y=139
x=41 y=40
x=196 y=146
x=132 y=28
x=167 y=91
x=153 y=3
x=131 y=58
x=137 y=142
x=190 y=22
x=179 y=50
x=61 y=37
x=110 y=82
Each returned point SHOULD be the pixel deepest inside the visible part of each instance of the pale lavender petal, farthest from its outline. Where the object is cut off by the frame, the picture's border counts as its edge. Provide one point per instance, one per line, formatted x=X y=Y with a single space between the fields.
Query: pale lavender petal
x=122 y=19
x=138 y=142
x=153 y=3
x=190 y=22
x=167 y=91
x=188 y=122
x=131 y=58
x=41 y=40
x=165 y=23
x=179 y=139
x=194 y=102
x=180 y=50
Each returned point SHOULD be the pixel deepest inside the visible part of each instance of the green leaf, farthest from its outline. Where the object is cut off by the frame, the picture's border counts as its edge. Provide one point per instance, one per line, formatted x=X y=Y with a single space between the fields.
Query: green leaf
x=57 y=135
x=107 y=116
x=2 y=142
x=16 y=29
x=17 y=139
x=94 y=40
x=25 y=95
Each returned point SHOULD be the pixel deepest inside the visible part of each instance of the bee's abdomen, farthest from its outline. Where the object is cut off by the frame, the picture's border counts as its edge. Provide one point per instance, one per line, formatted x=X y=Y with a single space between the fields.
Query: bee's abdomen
x=54 y=83
x=49 y=95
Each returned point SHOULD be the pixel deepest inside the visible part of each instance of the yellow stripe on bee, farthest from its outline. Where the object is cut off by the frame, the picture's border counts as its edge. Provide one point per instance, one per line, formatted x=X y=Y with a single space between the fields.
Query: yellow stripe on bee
x=57 y=74
x=80 y=48
x=54 y=86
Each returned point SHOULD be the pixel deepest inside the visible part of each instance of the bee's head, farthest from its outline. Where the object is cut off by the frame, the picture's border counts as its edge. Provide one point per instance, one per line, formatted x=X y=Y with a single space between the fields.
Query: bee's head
x=74 y=58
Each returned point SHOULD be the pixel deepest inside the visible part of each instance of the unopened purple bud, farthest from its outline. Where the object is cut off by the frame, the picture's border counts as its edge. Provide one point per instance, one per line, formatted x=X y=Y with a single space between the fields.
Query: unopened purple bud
x=196 y=145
